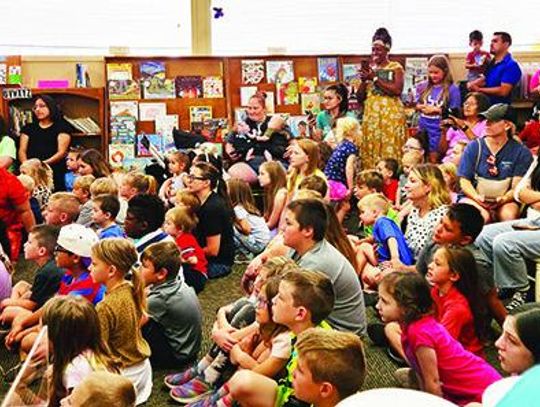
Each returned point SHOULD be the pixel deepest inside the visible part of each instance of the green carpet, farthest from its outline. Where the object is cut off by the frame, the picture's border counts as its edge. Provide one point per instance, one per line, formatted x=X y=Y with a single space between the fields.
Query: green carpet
x=216 y=294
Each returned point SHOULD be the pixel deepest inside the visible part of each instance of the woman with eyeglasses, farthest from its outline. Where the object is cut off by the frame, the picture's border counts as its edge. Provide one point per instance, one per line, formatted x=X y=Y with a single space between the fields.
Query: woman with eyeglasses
x=214 y=232
x=47 y=138
x=383 y=124
x=492 y=166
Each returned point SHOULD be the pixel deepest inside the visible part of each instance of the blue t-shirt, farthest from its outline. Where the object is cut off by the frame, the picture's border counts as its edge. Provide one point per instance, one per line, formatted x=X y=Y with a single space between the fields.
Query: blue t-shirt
x=111 y=231
x=384 y=229
x=335 y=167
x=69 y=179
x=512 y=160
x=505 y=71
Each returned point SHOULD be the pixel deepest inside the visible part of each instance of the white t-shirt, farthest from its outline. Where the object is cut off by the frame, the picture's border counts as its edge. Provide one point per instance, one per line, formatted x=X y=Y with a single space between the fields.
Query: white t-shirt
x=281 y=346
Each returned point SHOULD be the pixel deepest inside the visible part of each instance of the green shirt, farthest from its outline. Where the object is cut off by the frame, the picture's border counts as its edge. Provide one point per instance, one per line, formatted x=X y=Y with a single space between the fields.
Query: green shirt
x=7 y=149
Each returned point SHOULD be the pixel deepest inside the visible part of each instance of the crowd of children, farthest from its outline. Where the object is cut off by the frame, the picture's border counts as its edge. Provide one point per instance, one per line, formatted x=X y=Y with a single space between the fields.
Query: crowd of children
x=120 y=259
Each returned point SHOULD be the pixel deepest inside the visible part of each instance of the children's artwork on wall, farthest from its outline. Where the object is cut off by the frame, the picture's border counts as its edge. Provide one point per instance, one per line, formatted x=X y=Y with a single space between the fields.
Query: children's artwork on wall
x=415 y=72
x=351 y=74
x=151 y=69
x=119 y=152
x=149 y=111
x=165 y=126
x=154 y=139
x=189 y=87
x=213 y=87
x=246 y=92
x=14 y=75
x=279 y=71
x=328 y=69
x=310 y=103
x=307 y=84
x=252 y=71
x=287 y=93
x=298 y=126
x=119 y=72
x=124 y=89
x=125 y=108
x=123 y=129
x=158 y=88
x=199 y=113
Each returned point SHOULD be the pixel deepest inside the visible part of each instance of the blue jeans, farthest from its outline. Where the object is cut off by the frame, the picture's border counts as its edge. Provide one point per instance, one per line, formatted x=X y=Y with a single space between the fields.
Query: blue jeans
x=217 y=270
x=508 y=249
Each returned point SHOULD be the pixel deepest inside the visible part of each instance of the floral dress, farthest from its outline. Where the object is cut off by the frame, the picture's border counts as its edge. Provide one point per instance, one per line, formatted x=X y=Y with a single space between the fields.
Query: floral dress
x=383 y=124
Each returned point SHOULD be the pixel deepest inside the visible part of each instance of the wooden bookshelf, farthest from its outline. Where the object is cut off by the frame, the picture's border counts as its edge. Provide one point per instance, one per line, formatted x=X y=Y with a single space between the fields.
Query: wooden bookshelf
x=74 y=103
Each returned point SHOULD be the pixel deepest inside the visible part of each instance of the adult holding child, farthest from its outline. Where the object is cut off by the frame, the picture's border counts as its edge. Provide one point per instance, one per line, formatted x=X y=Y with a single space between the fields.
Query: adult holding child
x=383 y=124
x=492 y=166
x=46 y=138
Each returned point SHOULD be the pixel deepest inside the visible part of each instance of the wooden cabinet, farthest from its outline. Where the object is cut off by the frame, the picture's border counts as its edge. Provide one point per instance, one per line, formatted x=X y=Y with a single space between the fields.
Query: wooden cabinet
x=75 y=103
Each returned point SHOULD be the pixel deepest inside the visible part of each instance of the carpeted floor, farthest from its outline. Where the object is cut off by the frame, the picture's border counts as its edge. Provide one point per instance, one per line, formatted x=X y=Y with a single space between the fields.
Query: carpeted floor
x=218 y=293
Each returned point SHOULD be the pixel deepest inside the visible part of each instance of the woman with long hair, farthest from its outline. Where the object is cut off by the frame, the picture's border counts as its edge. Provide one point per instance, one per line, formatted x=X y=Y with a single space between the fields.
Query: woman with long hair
x=91 y=162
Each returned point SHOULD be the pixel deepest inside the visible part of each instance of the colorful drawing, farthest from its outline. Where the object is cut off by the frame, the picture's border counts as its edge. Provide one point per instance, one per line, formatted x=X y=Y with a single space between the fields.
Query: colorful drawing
x=252 y=71
x=287 y=93
x=124 y=89
x=158 y=88
x=328 y=69
x=189 y=87
x=279 y=71
x=213 y=87
x=154 y=139
x=125 y=108
x=119 y=152
x=310 y=103
x=199 y=113
x=298 y=126
x=307 y=84
x=165 y=126
x=151 y=69
x=119 y=72
x=149 y=111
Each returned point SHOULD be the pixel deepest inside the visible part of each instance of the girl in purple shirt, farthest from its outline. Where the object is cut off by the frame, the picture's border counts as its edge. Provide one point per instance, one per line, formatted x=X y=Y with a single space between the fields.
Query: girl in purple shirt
x=443 y=367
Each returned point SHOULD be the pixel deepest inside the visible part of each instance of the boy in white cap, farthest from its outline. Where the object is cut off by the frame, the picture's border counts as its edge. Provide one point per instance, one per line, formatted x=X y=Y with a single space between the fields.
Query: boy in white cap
x=72 y=253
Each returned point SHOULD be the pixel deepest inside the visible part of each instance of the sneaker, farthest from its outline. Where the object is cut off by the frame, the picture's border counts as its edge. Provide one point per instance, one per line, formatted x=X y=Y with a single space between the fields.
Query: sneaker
x=176 y=379
x=207 y=401
x=191 y=391
x=518 y=299
x=376 y=333
x=396 y=357
x=406 y=378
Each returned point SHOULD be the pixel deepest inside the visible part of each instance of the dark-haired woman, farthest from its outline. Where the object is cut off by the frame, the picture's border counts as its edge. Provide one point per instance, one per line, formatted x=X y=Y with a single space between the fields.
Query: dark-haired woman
x=336 y=105
x=214 y=232
x=46 y=138
x=91 y=162
x=383 y=124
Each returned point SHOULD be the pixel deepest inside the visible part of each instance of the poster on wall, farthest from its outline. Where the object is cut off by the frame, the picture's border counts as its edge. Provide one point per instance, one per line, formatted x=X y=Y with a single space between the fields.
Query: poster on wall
x=415 y=72
x=252 y=71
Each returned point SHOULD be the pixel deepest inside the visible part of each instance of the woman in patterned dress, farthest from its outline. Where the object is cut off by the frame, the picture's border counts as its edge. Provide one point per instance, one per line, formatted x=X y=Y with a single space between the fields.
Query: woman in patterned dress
x=383 y=124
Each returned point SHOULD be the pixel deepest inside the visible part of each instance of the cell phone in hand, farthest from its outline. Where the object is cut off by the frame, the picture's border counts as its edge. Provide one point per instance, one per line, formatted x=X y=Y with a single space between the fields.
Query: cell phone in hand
x=365 y=65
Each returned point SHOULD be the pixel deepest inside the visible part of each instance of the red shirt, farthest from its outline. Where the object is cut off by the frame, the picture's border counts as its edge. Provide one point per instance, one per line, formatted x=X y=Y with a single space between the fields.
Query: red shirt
x=12 y=194
x=390 y=190
x=189 y=246
x=454 y=313
x=530 y=135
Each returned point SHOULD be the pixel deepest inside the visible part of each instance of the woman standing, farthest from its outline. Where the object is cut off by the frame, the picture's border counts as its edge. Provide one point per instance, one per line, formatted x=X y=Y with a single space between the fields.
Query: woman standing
x=383 y=125
x=46 y=138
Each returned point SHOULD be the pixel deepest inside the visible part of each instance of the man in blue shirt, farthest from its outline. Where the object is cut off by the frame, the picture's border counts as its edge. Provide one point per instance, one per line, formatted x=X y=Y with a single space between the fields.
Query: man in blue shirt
x=503 y=72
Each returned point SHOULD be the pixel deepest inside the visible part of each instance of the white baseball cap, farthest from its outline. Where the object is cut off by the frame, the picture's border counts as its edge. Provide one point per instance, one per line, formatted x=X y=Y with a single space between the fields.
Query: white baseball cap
x=77 y=239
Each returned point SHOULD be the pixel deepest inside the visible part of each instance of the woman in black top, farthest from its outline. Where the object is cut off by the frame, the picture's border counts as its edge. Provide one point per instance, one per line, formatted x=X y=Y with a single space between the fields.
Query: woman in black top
x=214 y=232
x=46 y=138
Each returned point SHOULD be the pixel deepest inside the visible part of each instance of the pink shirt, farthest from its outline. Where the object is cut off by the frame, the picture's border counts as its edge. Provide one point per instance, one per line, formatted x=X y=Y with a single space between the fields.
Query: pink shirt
x=535 y=81
x=463 y=375
x=455 y=136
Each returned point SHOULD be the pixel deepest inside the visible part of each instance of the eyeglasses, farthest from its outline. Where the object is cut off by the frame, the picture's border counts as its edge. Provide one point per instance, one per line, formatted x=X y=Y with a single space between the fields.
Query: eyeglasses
x=60 y=249
x=192 y=177
x=492 y=165
x=262 y=302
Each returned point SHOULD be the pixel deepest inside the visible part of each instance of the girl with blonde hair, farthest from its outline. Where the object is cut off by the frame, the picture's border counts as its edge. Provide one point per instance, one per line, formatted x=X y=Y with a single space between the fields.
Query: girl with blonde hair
x=304 y=161
x=42 y=175
x=134 y=183
x=273 y=179
x=122 y=310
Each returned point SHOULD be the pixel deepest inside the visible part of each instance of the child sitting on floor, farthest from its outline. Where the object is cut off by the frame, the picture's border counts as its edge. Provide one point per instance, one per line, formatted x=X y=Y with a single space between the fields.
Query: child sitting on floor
x=105 y=209
x=173 y=327
x=81 y=189
x=391 y=246
x=388 y=168
x=179 y=223
x=42 y=175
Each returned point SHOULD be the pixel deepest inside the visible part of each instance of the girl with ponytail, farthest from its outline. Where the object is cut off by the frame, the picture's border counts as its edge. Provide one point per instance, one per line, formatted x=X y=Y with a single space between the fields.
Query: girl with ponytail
x=214 y=231
x=122 y=311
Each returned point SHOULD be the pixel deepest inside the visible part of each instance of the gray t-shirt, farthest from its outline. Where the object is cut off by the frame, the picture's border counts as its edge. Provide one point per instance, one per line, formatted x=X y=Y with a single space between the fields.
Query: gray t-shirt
x=175 y=306
x=349 y=312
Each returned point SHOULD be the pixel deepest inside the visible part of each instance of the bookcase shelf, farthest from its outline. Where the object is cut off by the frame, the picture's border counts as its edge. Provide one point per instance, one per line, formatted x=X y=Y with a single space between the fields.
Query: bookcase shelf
x=74 y=103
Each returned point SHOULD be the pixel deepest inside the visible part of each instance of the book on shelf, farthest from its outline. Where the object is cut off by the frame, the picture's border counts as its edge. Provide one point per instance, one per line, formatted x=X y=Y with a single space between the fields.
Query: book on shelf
x=310 y=102
x=351 y=74
x=18 y=119
x=124 y=89
x=152 y=69
x=85 y=125
x=199 y=113
x=328 y=69
x=120 y=152
x=189 y=87
x=158 y=88
x=287 y=93
x=125 y=108
x=307 y=84
x=213 y=87
x=149 y=111
x=155 y=140
x=252 y=71
x=119 y=71
x=279 y=71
